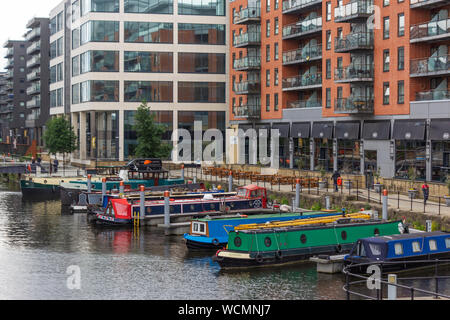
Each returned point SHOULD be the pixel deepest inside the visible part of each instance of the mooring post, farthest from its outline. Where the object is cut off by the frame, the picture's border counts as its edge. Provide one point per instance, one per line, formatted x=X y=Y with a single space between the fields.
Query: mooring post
x=103 y=187
x=385 y=205
x=230 y=181
x=167 y=211
x=328 y=202
x=142 y=203
x=89 y=183
x=121 y=189
x=392 y=288
x=297 y=194
x=428 y=225
x=182 y=172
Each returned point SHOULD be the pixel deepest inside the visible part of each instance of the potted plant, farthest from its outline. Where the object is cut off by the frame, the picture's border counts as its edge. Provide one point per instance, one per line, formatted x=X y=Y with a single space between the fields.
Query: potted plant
x=323 y=180
x=447 y=197
x=412 y=192
x=377 y=186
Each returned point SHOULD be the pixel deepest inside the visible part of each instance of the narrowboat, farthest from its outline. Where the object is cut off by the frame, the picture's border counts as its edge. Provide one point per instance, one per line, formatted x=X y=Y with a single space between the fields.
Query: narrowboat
x=140 y=172
x=123 y=211
x=295 y=241
x=211 y=233
x=399 y=252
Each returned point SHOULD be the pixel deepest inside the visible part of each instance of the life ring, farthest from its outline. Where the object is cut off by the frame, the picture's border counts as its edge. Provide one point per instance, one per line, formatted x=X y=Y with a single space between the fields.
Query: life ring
x=219 y=258
x=259 y=258
x=279 y=255
x=215 y=242
x=338 y=248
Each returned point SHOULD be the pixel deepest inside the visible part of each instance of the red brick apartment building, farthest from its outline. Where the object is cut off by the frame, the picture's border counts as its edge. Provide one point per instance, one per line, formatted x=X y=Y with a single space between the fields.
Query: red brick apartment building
x=355 y=86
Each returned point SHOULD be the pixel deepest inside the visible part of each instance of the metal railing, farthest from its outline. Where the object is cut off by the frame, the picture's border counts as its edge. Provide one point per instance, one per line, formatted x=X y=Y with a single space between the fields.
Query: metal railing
x=252 y=111
x=430 y=65
x=300 y=104
x=433 y=95
x=247 y=63
x=301 y=27
x=298 y=4
x=305 y=80
x=247 y=13
x=247 y=87
x=354 y=72
x=430 y=29
x=352 y=41
x=303 y=54
x=354 y=104
x=247 y=39
x=352 y=9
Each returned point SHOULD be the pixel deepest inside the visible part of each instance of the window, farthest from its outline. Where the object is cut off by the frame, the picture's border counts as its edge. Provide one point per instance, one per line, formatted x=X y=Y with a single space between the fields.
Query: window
x=99 y=6
x=201 y=63
x=275 y=103
x=99 y=91
x=375 y=248
x=401 y=58
x=401 y=24
x=276 y=4
x=276 y=77
x=99 y=61
x=201 y=92
x=328 y=98
x=75 y=38
x=75 y=66
x=56 y=73
x=190 y=33
x=267 y=5
x=139 y=61
x=149 y=6
x=99 y=31
x=199 y=228
x=328 y=69
x=447 y=243
x=148 y=32
x=401 y=92
x=267 y=28
x=276 y=26
x=385 y=3
x=150 y=91
x=386 y=28
x=432 y=244
x=267 y=102
x=386 y=60
x=328 y=11
x=386 y=93
x=328 y=39
x=267 y=78
x=276 y=51
x=56 y=48
x=202 y=8
x=268 y=53
x=398 y=248
x=416 y=247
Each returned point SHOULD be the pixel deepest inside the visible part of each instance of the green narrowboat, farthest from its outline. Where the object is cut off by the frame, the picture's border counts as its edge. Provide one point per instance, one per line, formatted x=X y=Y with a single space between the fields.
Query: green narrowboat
x=259 y=246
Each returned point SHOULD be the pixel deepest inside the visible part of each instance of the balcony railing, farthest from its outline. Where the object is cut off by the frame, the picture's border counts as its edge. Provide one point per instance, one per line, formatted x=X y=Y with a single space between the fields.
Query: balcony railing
x=247 y=63
x=431 y=66
x=354 y=104
x=356 y=10
x=9 y=64
x=34 y=75
x=34 y=47
x=247 y=87
x=36 y=88
x=427 y=4
x=249 y=111
x=248 y=15
x=36 y=60
x=296 y=6
x=247 y=39
x=303 y=82
x=354 y=41
x=304 y=54
x=433 y=30
x=354 y=73
x=33 y=34
x=433 y=95
x=10 y=74
x=34 y=103
x=301 y=104
x=302 y=28
x=9 y=53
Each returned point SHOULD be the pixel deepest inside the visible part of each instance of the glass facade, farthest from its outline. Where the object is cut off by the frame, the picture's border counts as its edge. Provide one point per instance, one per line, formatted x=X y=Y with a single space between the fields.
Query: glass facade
x=349 y=158
x=440 y=157
x=99 y=6
x=162 y=117
x=107 y=131
x=95 y=91
x=201 y=63
x=138 y=61
x=98 y=61
x=190 y=33
x=99 y=31
x=148 y=32
x=202 y=7
x=323 y=156
x=302 y=154
x=149 y=6
x=201 y=92
x=410 y=154
x=149 y=91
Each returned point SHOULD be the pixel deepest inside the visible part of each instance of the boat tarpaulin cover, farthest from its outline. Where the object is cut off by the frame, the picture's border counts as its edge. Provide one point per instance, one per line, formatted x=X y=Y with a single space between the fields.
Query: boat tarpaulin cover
x=409 y=130
x=122 y=208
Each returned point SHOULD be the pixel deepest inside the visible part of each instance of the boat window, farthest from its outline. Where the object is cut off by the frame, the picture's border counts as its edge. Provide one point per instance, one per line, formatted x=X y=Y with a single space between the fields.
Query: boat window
x=254 y=194
x=199 y=228
x=242 y=192
x=416 y=246
x=432 y=244
x=398 y=249
x=447 y=243
x=344 y=235
x=361 y=250
x=303 y=239
x=375 y=248
x=267 y=242
x=237 y=242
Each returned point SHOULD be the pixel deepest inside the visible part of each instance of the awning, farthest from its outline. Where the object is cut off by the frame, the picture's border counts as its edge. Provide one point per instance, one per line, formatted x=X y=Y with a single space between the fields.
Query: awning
x=377 y=130
x=347 y=130
x=440 y=129
x=283 y=127
x=260 y=127
x=409 y=130
x=301 y=130
x=322 y=130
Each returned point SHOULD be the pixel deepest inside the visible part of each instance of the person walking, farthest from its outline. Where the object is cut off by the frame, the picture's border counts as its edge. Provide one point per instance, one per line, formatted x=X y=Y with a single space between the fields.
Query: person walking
x=55 y=165
x=336 y=175
x=426 y=192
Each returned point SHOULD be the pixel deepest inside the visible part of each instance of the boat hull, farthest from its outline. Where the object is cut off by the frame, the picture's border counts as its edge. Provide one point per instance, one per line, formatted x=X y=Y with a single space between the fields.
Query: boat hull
x=32 y=190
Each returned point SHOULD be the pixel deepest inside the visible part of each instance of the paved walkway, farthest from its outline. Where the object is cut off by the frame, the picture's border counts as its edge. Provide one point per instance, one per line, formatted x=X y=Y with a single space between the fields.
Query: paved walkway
x=434 y=207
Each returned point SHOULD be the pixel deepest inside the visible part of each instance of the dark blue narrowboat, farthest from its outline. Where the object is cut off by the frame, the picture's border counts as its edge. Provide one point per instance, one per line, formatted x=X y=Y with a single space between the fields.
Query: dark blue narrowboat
x=211 y=233
x=124 y=211
x=399 y=252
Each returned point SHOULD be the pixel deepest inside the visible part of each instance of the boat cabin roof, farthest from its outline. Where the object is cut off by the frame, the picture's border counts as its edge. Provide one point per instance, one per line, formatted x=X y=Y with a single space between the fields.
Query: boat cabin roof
x=407 y=236
x=252 y=187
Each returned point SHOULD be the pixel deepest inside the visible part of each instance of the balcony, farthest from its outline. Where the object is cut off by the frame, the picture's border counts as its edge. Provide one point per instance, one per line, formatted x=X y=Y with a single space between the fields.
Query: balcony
x=354 y=42
x=250 y=111
x=8 y=109
x=306 y=81
x=35 y=61
x=247 y=87
x=354 y=73
x=430 y=31
x=302 y=55
x=248 y=16
x=35 y=47
x=33 y=34
x=356 y=11
x=297 y=6
x=9 y=53
x=34 y=89
x=247 y=39
x=35 y=75
x=433 y=95
x=10 y=64
x=354 y=105
x=427 y=4
x=247 y=63
x=302 y=104
x=432 y=66
x=10 y=74
x=34 y=103
x=302 y=28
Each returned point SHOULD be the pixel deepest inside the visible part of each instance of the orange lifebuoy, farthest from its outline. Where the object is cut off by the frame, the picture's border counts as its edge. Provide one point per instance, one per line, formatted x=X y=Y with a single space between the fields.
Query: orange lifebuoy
x=339 y=181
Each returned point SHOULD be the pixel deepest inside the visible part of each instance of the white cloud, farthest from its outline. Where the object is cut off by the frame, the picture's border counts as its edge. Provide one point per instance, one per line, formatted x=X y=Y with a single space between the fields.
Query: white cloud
x=14 y=16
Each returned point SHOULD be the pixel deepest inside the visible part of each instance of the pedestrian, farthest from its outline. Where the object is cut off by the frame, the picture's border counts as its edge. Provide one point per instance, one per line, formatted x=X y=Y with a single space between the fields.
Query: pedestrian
x=55 y=165
x=336 y=175
x=426 y=192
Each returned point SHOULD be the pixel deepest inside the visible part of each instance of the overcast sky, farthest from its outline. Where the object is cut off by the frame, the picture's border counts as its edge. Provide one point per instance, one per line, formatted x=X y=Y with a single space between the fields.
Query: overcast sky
x=14 y=16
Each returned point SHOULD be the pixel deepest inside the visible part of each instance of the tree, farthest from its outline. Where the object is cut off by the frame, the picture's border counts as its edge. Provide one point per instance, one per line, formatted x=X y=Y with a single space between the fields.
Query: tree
x=59 y=137
x=149 y=135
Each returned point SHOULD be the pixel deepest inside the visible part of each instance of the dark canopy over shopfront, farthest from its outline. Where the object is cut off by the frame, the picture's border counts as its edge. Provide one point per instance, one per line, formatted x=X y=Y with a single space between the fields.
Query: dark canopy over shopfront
x=283 y=128
x=322 y=130
x=409 y=130
x=440 y=129
x=377 y=130
x=347 y=130
x=301 y=130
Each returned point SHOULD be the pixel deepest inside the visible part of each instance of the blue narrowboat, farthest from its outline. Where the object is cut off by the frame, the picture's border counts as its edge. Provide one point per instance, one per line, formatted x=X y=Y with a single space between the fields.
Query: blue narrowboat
x=399 y=252
x=124 y=211
x=211 y=233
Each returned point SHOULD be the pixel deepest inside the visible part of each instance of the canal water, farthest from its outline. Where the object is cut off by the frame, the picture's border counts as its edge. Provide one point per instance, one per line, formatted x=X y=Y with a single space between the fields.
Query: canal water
x=41 y=246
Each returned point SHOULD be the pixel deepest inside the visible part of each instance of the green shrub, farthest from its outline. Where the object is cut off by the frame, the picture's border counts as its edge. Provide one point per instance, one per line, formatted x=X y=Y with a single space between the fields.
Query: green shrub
x=316 y=207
